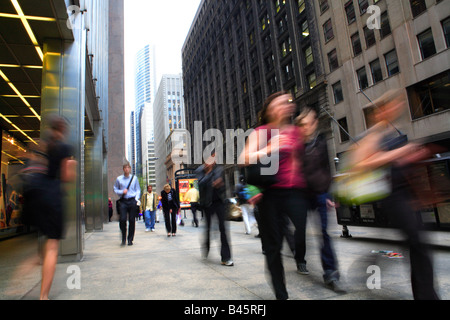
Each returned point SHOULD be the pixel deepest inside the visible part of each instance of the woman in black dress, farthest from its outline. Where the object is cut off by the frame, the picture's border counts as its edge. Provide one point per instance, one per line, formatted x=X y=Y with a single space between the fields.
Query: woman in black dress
x=44 y=195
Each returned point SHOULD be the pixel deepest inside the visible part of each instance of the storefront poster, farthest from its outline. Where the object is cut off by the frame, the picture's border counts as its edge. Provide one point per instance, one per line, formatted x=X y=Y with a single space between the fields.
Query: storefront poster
x=184 y=185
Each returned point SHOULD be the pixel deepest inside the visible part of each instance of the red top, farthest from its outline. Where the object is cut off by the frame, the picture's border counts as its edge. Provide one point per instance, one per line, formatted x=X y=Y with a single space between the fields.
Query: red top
x=290 y=173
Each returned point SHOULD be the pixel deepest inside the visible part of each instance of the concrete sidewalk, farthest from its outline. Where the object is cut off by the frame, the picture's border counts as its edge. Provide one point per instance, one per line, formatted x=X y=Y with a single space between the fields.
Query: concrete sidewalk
x=160 y=268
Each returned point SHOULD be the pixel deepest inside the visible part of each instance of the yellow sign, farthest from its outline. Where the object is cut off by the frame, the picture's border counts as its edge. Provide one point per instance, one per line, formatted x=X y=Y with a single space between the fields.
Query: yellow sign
x=184 y=185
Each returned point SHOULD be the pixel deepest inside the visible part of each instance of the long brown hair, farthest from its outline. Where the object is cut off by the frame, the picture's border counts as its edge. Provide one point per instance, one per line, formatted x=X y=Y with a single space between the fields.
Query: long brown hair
x=263 y=119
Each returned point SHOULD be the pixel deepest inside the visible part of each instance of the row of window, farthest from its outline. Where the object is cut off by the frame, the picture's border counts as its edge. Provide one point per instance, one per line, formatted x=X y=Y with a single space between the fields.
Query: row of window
x=427 y=49
x=376 y=73
x=417 y=6
x=426 y=98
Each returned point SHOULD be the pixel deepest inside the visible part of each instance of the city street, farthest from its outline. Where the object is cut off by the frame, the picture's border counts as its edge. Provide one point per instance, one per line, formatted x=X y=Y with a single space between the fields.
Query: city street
x=160 y=268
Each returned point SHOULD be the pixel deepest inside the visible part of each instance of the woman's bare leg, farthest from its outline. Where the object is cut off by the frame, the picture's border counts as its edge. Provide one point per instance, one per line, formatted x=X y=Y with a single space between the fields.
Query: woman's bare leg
x=49 y=266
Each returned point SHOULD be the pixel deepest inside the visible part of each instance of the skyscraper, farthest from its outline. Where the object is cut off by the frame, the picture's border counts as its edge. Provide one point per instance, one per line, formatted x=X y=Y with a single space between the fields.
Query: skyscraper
x=145 y=92
x=132 y=149
x=169 y=114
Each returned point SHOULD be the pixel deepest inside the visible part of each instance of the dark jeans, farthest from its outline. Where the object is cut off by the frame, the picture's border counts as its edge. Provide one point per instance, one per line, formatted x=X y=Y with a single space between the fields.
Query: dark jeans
x=194 y=208
x=217 y=208
x=275 y=206
x=171 y=220
x=128 y=207
x=327 y=255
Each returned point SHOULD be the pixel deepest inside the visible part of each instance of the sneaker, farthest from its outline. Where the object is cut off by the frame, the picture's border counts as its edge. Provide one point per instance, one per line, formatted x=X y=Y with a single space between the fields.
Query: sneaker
x=331 y=275
x=228 y=263
x=147 y=230
x=336 y=286
x=153 y=230
x=301 y=269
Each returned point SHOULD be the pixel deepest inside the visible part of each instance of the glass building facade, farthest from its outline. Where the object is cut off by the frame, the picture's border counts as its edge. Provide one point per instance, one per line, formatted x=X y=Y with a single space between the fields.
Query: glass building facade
x=54 y=59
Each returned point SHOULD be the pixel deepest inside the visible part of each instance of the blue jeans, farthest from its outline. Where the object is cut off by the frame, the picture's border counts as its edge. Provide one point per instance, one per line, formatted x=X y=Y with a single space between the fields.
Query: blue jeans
x=327 y=254
x=150 y=219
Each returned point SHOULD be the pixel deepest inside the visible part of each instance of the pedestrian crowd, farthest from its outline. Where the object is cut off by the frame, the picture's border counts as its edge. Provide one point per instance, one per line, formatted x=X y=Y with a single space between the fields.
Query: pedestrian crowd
x=278 y=201
x=274 y=201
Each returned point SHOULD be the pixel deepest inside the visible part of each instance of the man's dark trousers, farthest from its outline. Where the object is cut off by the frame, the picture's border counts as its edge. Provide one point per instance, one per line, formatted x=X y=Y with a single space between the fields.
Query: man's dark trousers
x=128 y=207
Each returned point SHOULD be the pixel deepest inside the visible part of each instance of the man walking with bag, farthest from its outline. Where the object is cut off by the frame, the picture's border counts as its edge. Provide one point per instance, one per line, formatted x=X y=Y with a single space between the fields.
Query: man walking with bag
x=128 y=189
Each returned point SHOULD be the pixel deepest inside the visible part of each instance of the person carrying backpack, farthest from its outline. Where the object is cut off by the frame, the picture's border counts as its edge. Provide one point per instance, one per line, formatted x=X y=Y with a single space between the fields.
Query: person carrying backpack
x=242 y=193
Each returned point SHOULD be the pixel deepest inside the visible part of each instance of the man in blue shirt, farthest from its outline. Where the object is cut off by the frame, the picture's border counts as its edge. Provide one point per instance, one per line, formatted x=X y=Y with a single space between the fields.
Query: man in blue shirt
x=128 y=189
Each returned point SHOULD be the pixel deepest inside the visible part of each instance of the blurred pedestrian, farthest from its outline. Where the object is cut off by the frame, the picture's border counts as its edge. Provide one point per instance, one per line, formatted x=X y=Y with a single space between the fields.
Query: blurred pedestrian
x=171 y=207
x=212 y=197
x=149 y=204
x=158 y=209
x=128 y=189
x=52 y=166
x=383 y=146
x=316 y=167
x=193 y=196
x=246 y=207
x=285 y=197
x=110 y=209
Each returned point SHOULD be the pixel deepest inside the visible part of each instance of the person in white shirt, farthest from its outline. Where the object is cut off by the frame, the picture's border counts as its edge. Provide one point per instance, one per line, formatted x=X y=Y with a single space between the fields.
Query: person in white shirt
x=128 y=189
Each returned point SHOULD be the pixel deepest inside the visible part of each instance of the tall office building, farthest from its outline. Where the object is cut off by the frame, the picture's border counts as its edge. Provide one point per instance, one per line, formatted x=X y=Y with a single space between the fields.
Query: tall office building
x=145 y=91
x=408 y=50
x=237 y=53
x=169 y=114
x=132 y=145
x=148 y=146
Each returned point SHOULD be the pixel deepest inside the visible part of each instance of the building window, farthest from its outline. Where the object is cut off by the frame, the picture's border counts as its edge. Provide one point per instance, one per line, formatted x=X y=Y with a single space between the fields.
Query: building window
x=337 y=93
x=333 y=60
x=385 y=25
x=288 y=71
x=323 y=6
x=417 y=7
x=426 y=44
x=430 y=96
x=309 y=58
x=328 y=30
x=363 y=5
x=362 y=78
x=356 y=43
x=446 y=28
x=312 y=81
x=375 y=68
x=369 y=35
x=265 y=22
x=392 y=63
x=301 y=6
x=305 y=29
x=343 y=129
x=350 y=11
x=279 y=4
x=286 y=48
